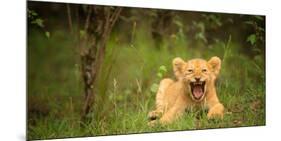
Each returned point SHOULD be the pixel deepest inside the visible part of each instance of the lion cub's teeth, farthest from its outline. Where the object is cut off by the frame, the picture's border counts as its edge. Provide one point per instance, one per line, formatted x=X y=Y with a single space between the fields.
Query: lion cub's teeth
x=198 y=83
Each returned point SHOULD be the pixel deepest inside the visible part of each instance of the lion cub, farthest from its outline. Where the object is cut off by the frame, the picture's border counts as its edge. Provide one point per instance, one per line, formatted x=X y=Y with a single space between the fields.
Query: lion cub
x=195 y=86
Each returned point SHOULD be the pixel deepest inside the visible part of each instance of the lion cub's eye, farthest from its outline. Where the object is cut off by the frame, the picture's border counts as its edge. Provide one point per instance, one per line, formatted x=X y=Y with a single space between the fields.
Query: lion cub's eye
x=204 y=70
x=190 y=71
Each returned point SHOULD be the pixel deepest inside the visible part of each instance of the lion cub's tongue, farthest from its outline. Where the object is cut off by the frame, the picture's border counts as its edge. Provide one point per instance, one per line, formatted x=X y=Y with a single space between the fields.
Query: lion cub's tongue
x=197 y=91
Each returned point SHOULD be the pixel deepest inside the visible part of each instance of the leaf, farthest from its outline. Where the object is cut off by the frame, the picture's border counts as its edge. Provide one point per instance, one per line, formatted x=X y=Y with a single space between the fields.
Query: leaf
x=249 y=22
x=38 y=22
x=82 y=33
x=201 y=26
x=230 y=20
x=178 y=23
x=252 y=39
x=47 y=33
x=159 y=74
x=261 y=29
x=33 y=13
x=201 y=36
x=163 y=69
x=216 y=20
x=152 y=13
x=154 y=87
x=259 y=17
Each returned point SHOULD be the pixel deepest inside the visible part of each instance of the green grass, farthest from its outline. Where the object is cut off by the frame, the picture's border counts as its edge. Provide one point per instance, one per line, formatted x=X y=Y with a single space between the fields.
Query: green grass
x=55 y=91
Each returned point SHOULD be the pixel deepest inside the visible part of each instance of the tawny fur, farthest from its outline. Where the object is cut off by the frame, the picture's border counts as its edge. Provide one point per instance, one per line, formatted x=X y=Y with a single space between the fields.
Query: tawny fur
x=174 y=97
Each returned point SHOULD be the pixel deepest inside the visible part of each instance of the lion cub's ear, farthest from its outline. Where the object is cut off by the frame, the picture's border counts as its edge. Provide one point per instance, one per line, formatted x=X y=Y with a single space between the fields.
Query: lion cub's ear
x=178 y=64
x=215 y=63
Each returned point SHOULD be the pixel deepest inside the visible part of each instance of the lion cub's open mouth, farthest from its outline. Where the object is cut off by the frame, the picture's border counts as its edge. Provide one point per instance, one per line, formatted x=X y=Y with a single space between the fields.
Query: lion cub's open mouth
x=197 y=89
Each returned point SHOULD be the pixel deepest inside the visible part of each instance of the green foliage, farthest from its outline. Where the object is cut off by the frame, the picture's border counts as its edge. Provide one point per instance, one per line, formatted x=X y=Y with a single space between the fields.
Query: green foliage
x=201 y=36
x=38 y=22
x=34 y=19
x=162 y=71
x=160 y=74
x=257 y=37
x=31 y=13
x=252 y=39
x=226 y=48
x=154 y=87
x=200 y=28
x=259 y=18
x=82 y=33
x=47 y=33
x=213 y=20
x=178 y=23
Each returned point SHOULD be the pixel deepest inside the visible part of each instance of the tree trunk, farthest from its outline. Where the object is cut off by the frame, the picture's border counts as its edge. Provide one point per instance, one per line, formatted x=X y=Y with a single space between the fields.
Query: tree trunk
x=98 y=26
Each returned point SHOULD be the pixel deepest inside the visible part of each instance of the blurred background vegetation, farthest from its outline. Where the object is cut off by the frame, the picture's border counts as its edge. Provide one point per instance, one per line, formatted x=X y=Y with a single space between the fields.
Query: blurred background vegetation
x=138 y=54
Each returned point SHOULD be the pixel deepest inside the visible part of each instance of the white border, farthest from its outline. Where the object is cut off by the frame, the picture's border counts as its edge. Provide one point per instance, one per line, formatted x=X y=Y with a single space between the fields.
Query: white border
x=230 y=6
x=13 y=69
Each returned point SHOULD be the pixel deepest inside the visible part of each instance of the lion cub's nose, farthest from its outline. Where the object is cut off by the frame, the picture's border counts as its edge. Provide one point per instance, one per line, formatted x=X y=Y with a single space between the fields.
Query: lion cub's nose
x=197 y=79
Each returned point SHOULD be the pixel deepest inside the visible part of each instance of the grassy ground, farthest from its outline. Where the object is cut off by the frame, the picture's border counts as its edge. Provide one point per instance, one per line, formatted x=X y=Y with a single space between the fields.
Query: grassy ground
x=124 y=95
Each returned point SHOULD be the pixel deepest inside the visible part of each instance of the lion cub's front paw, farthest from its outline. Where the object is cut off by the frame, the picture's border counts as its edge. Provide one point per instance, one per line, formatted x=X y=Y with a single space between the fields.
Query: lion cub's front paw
x=152 y=123
x=165 y=120
x=153 y=115
x=216 y=112
x=213 y=114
